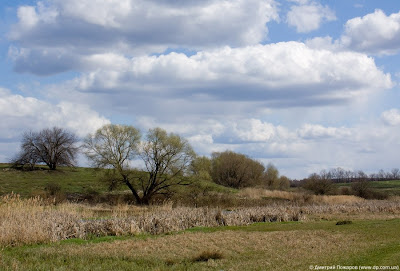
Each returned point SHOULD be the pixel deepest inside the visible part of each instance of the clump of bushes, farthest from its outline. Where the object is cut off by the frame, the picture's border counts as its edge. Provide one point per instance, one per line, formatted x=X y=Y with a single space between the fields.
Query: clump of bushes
x=54 y=192
x=344 y=222
x=208 y=255
x=319 y=185
x=237 y=171
x=362 y=188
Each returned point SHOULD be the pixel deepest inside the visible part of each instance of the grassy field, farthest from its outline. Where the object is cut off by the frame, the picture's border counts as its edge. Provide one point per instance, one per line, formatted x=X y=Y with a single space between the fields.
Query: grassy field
x=260 y=246
x=219 y=229
x=28 y=183
x=71 y=180
x=390 y=187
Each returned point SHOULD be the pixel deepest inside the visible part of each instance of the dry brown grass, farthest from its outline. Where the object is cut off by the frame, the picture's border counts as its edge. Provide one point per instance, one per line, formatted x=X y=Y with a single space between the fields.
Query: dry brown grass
x=240 y=250
x=30 y=221
x=298 y=197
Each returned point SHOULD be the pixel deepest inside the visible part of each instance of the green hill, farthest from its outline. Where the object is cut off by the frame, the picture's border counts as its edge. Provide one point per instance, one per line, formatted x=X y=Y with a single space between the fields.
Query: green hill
x=28 y=183
x=71 y=180
x=389 y=187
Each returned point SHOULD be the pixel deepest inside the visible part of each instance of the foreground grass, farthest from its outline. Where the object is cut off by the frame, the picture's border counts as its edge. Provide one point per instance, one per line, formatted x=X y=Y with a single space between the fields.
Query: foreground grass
x=261 y=246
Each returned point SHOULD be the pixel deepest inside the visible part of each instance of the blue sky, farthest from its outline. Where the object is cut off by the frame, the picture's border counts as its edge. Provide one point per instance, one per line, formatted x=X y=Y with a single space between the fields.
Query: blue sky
x=306 y=85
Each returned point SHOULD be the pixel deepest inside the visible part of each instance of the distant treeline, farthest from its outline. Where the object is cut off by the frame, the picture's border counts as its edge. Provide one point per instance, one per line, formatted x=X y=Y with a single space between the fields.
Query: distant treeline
x=340 y=175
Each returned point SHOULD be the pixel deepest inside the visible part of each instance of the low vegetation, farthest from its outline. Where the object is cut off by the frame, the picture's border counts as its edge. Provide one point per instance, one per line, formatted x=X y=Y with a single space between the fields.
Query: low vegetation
x=189 y=212
x=34 y=220
x=260 y=246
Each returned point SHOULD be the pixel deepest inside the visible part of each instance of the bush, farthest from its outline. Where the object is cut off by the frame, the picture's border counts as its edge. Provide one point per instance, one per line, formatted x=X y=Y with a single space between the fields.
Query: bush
x=92 y=196
x=272 y=180
x=362 y=188
x=344 y=222
x=54 y=191
x=236 y=170
x=207 y=255
x=319 y=185
x=345 y=190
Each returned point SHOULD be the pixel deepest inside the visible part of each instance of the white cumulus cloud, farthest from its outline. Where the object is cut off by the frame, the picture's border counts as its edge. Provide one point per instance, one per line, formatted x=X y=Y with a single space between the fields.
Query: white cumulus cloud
x=374 y=33
x=26 y=113
x=56 y=28
x=274 y=75
x=316 y=131
x=308 y=16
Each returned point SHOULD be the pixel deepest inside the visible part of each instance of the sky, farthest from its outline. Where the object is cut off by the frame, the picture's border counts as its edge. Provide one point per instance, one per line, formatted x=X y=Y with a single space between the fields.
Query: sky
x=306 y=85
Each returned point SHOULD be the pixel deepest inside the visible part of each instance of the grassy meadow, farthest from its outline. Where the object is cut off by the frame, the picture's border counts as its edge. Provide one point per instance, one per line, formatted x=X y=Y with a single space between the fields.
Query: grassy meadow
x=31 y=183
x=206 y=228
x=390 y=187
x=260 y=246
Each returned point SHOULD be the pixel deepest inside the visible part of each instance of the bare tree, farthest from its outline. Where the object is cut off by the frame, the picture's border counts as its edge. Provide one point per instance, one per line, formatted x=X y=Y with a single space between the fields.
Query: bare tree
x=381 y=174
x=53 y=147
x=395 y=174
x=165 y=156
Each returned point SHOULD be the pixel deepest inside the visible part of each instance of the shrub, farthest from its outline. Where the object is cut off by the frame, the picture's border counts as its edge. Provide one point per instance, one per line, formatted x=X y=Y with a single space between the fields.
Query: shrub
x=362 y=188
x=344 y=222
x=235 y=170
x=207 y=255
x=52 y=189
x=319 y=185
x=345 y=190
x=91 y=195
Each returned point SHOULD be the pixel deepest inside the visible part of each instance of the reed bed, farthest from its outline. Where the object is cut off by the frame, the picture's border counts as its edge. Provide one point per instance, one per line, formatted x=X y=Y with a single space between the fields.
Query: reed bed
x=32 y=221
x=299 y=197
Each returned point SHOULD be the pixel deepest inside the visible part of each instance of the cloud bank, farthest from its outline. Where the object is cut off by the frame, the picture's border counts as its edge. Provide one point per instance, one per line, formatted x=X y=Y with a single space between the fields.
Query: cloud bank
x=33 y=114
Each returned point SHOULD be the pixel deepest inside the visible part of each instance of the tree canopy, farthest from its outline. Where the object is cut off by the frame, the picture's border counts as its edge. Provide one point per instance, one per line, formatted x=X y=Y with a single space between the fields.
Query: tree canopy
x=166 y=158
x=236 y=170
x=52 y=146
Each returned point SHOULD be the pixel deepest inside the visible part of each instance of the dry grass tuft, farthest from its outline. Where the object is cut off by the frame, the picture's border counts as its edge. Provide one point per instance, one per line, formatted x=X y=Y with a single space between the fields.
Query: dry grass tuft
x=298 y=197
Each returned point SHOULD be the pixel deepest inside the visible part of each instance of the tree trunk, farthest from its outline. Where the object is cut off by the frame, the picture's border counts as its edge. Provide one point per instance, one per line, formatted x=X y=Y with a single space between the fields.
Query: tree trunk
x=144 y=201
x=135 y=194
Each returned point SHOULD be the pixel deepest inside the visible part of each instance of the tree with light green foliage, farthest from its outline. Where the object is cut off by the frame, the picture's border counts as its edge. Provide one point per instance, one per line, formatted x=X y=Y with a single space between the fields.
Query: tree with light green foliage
x=166 y=157
x=272 y=180
x=201 y=168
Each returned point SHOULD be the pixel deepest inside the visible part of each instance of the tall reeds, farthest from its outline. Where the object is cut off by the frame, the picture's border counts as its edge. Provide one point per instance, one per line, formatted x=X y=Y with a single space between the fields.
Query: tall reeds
x=31 y=221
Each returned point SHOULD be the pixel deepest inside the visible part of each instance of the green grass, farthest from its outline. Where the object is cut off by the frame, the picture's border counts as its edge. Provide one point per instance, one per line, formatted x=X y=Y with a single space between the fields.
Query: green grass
x=261 y=246
x=71 y=180
x=28 y=183
x=390 y=187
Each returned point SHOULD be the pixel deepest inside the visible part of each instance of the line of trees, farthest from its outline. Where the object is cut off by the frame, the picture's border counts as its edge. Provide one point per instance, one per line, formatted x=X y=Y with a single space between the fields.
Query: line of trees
x=340 y=175
x=360 y=183
x=168 y=160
